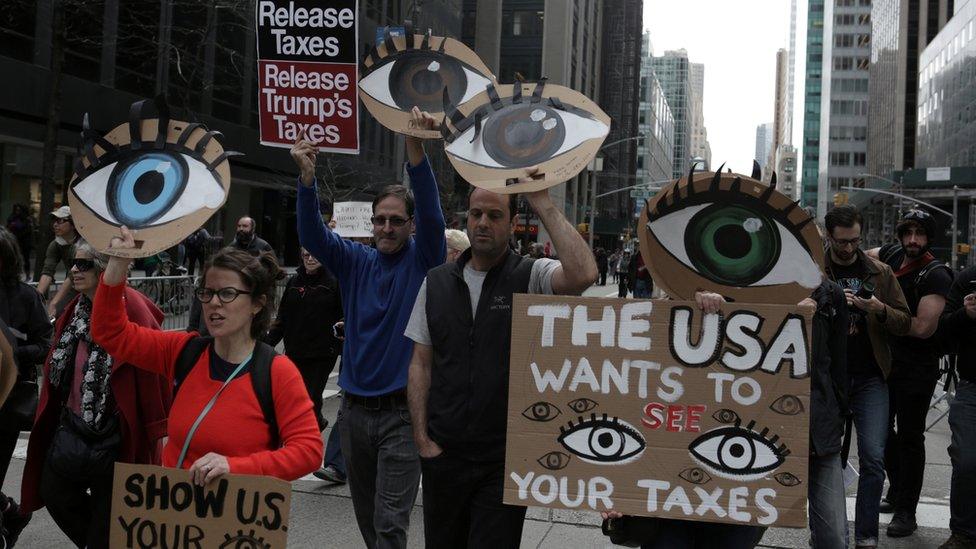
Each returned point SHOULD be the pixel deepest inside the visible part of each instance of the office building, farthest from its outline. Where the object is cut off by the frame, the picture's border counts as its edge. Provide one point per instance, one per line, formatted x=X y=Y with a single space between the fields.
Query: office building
x=810 y=146
x=900 y=30
x=780 y=109
x=699 y=147
x=844 y=97
x=764 y=144
x=655 y=151
x=672 y=70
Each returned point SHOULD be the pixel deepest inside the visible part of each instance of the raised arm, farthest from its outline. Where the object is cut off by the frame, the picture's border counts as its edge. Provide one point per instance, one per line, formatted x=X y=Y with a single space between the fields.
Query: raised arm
x=577 y=270
x=428 y=215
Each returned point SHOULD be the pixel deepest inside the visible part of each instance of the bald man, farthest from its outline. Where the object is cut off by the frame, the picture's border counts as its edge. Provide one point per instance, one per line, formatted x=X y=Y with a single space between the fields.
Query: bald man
x=247 y=240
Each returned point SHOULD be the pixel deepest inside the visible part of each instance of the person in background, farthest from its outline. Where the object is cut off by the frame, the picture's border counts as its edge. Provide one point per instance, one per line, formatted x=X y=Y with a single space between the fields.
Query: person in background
x=247 y=239
x=602 y=265
x=643 y=283
x=461 y=326
x=957 y=328
x=623 y=270
x=612 y=261
x=196 y=249
x=378 y=288
x=95 y=409
x=878 y=311
x=310 y=308
x=19 y=223
x=60 y=250
x=22 y=311
x=457 y=242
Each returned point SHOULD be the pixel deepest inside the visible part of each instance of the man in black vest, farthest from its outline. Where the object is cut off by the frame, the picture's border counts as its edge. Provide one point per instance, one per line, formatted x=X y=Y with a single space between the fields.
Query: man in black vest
x=925 y=281
x=458 y=381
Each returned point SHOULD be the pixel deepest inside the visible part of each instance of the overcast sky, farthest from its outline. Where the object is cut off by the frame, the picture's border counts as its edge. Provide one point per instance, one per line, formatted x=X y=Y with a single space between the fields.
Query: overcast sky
x=737 y=41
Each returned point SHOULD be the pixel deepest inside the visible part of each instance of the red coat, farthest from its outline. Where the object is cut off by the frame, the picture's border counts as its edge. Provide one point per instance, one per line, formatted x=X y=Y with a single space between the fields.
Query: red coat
x=142 y=398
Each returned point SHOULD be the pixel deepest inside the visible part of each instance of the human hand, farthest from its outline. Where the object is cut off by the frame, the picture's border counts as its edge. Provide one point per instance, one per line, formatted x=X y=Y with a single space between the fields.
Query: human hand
x=303 y=152
x=872 y=305
x=709 y=302
x=208 y=468
x=808 y=303
x=969 y=302
x=339 y=329
x=429 y=449
x=118 y=267
x=611 y=515
x=423 y=120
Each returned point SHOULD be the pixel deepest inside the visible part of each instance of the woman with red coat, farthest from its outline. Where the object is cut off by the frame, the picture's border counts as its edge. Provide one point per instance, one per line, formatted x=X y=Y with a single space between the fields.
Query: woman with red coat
x=218 y=425
x=94 y=410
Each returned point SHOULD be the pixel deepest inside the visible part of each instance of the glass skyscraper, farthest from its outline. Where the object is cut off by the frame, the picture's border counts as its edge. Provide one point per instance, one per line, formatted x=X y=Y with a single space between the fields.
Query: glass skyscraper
x=811 y=101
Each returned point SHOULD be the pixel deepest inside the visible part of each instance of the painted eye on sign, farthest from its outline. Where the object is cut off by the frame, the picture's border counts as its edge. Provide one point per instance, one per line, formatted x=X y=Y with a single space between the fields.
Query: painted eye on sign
x=162 y=178
x=415 y=70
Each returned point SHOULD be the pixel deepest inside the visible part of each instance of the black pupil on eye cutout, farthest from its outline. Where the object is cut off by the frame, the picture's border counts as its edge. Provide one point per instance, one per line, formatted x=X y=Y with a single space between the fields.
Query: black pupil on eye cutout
x=737 y=450
x=732 y=245
x=523 y=135
x=419 y=78
x=540 y=410
x=605 y=440
x=148 y=187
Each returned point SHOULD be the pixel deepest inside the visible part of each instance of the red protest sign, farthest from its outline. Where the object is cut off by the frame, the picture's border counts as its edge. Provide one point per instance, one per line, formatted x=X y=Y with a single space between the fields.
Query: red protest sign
x=307 y=73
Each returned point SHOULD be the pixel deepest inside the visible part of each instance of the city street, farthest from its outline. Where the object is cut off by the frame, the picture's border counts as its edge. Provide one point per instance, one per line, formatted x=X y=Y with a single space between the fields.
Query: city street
x=322 y=514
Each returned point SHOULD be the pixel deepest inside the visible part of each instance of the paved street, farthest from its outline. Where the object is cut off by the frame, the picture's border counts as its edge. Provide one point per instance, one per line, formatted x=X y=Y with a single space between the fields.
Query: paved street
x=322 y=515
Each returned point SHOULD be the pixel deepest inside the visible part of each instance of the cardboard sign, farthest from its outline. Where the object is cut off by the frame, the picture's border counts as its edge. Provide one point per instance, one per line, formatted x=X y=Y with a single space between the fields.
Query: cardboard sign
x=307 y=73
x=161 y=178
x=733 y=235
x=160 y=507
x=353 y=219
x=524 y=137
x=407 y=70
x=652 y=408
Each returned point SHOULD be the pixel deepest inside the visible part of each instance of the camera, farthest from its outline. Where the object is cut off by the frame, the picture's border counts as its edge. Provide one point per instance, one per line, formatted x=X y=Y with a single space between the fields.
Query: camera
x=866 y=291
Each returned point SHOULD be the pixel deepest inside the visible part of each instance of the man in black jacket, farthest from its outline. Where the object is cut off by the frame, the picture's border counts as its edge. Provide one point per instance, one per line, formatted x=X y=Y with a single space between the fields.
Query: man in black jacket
x=458 y=380
x=247 y=239
x=958 y=329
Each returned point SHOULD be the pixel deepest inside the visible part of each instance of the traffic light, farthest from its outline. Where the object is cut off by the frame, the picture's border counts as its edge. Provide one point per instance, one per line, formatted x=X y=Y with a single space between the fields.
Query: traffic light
x=583 y=228
x=840 y=199
x=963 y=248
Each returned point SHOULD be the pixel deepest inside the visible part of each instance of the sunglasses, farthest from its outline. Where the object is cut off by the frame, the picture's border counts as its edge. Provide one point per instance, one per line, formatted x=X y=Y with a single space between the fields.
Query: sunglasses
x=225 y=295
x=380 y=220
x=82 y=265
x=60 y=220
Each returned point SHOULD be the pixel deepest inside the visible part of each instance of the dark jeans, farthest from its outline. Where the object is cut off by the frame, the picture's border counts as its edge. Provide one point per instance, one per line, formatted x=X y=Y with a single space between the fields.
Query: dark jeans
x=909 y=399
x=463 y=505
x=869 y=402
x=8 y=443
x=603 y=277
x=383 y=471
x=622 y=285
x=689 y=534
x=962 y=494
x=828 y=513
x=192 y=258
x=315 y=373
x=643 y=288
x=84 y=517
x=333 y=448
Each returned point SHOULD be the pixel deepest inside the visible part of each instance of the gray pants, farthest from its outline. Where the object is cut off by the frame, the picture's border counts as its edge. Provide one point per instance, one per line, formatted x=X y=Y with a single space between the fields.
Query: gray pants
x=383 y=471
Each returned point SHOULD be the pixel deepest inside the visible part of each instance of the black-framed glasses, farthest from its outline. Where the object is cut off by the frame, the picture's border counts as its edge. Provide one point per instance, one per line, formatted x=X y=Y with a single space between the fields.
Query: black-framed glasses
x=82 y=265
x=225 y=295
x=395 y=221
x=846 y=241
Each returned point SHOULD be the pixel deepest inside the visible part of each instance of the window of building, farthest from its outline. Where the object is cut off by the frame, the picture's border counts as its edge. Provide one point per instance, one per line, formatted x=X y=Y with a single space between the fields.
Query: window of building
x=524 y=23
x=17 y=21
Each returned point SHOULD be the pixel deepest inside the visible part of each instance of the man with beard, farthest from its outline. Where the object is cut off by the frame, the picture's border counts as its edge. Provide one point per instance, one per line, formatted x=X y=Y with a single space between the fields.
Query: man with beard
x=925 y=281
x=247 y=240
x=877 y=309
x=461 y=326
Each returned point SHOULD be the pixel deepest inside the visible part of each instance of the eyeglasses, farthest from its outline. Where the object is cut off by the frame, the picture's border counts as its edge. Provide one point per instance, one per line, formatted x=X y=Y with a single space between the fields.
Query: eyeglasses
x=380 y=220
x=846 y=241
x=82 y=265
x=225 y=295
x=60 y=220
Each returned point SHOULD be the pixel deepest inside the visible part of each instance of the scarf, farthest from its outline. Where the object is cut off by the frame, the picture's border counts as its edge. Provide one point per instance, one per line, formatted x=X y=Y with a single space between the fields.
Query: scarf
x=95 y=391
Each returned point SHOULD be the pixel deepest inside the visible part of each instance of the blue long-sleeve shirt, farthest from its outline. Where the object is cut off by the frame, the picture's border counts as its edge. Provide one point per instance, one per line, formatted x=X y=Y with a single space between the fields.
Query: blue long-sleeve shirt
x=378 y=290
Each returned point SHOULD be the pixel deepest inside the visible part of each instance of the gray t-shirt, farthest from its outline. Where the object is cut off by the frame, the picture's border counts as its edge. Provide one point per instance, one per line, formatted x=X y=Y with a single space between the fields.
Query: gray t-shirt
x=540 y=282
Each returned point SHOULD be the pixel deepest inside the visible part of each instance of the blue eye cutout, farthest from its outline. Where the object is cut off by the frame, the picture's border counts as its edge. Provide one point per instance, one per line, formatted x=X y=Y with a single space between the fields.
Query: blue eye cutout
x=146 y=187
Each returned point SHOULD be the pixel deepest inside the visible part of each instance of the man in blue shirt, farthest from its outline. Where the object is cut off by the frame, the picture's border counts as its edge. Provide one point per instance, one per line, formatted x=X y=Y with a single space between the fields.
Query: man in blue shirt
x=379 y=287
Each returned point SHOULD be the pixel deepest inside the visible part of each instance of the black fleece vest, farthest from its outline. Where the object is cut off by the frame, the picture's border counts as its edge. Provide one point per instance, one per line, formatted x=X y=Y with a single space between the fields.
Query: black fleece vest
x=468 y=402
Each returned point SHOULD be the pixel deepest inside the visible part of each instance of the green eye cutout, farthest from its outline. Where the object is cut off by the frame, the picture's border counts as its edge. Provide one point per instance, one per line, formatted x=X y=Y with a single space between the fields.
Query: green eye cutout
x=732 y=245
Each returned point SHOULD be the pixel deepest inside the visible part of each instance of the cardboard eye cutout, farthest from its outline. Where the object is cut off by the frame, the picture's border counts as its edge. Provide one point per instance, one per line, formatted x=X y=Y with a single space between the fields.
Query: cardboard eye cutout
x=402 y=72
x=162 y=178
x=733 y=235
x=494 y=138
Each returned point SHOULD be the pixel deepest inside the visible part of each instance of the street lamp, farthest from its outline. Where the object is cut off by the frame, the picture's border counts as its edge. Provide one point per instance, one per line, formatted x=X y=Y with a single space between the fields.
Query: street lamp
x=593 y=184
x=953 y=215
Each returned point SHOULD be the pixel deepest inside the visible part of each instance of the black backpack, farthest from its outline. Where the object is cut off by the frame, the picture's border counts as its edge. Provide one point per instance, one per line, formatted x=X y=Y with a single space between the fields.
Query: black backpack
x=891 y=254
x=260 y=370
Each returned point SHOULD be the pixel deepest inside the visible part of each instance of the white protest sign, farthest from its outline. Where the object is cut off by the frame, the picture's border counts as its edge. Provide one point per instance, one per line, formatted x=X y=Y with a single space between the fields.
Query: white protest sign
x=353 y=219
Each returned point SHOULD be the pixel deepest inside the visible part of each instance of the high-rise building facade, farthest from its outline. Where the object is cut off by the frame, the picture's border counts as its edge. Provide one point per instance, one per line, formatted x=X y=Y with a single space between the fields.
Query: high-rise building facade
x=947 y=93
x=699 y=147
x=672 y=70
x=791 y=77
x=620 y=97
x=764 y=143
x=780 y=108
x=811 y=103
x=654 y=154
x=900 y=30
x=844 y=97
